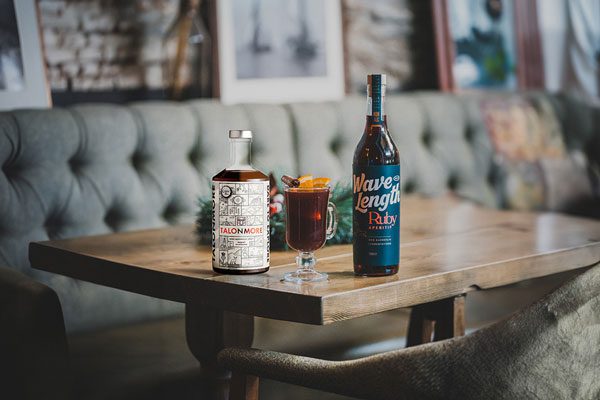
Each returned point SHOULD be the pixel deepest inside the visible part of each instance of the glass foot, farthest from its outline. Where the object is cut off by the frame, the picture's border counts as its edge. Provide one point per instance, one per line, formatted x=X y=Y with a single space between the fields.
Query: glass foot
x=305 y=275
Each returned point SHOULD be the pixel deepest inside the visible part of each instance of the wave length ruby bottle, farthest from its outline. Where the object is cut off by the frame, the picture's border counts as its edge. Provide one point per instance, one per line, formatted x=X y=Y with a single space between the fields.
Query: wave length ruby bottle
x=376 y=188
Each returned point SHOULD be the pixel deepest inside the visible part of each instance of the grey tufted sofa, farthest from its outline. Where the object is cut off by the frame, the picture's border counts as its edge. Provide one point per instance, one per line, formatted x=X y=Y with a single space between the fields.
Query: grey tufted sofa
x=92 y=169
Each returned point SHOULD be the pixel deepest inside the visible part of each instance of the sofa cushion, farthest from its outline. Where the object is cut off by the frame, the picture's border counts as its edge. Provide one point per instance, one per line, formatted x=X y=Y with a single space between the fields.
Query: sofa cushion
x=566 y=183
x=536 y=171
x=455 y=140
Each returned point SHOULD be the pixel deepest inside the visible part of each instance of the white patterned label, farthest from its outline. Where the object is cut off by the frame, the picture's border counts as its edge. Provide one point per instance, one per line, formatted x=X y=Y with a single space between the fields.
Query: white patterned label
x=240 y=225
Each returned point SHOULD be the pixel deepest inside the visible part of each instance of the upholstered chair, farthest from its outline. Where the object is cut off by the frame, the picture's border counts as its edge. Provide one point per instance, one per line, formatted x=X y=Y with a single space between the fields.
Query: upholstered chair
x=549 y=350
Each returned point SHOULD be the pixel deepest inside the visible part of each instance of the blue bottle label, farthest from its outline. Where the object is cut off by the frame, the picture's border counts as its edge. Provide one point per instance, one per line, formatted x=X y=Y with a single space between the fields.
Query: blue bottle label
x=376 y=223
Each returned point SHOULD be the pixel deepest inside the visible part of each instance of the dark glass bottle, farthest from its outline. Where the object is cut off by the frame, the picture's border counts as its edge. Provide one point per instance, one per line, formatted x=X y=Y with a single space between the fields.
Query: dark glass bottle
x=240 y=194
x=376 y=188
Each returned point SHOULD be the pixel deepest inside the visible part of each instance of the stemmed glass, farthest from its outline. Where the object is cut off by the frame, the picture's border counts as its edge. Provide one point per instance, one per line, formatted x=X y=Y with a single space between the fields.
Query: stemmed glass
x=311 y=219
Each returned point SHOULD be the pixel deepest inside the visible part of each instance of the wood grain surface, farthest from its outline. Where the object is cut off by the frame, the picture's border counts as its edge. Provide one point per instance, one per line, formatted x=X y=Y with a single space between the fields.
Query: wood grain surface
x=448 y=247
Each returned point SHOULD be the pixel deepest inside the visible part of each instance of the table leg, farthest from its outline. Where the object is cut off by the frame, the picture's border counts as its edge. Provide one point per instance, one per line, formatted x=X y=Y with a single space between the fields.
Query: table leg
x=439 y=320
x=243 y=387
x=208 y=331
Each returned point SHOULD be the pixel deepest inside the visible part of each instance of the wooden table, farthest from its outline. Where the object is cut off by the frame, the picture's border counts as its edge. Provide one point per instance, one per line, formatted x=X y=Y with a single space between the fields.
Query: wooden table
x=449 y=247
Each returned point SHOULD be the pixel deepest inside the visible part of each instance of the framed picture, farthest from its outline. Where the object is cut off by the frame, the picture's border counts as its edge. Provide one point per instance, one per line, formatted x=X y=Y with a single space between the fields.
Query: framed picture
x=23 y=81
x=279 y=50
x=487 y=44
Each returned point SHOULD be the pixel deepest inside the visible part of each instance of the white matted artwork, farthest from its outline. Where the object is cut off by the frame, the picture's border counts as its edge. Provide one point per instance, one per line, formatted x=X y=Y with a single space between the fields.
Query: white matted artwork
x=23 y=81
x=280 y=50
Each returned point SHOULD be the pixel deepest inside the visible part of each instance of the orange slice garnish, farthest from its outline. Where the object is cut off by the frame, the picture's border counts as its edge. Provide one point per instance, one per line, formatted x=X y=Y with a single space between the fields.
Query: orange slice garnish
x=306 y=181
x=321 y=182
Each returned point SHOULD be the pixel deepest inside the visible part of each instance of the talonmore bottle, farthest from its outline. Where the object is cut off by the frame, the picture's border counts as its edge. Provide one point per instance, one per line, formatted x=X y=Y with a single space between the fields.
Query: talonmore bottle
x=376 y=187
x=240 y=222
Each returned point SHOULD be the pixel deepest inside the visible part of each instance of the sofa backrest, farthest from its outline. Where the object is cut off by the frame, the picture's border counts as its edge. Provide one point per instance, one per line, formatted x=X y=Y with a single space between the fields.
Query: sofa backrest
x=441 y=147
x=93 y=169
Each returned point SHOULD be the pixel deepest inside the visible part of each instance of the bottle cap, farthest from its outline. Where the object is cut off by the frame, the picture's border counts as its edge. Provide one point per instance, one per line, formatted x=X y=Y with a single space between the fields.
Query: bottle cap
x=240 y=134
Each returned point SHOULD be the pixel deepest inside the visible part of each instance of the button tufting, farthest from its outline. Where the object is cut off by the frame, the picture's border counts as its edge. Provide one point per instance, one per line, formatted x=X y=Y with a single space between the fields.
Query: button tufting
x=409 y=187
x=491 y=178
x=469 y=134
x=137 y=161
x=170 y=212
x=9 y=170
x=336 y=144
x=427 y=138
x=51 y=227
x=194 y=156
x=75 y=164
x=452 y=182
x=112 y=219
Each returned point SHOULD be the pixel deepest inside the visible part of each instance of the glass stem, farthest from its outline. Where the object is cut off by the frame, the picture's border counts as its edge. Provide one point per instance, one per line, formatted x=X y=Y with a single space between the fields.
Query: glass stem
x=306 y=260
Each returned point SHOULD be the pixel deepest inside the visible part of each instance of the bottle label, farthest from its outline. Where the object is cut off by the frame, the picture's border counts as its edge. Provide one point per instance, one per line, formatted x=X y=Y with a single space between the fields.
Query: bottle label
x=376 y=222
x=240 y=225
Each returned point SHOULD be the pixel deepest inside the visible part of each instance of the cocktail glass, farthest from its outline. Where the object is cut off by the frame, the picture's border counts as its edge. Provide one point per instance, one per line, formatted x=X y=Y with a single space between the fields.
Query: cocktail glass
x=311 y=219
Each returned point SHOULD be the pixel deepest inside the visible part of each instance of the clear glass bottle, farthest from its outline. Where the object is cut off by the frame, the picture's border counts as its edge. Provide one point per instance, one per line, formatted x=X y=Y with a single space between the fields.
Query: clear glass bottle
x=240 y=221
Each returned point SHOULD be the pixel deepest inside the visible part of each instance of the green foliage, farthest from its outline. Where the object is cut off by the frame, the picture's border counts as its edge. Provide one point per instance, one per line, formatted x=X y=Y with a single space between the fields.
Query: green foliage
x=204 y=220
x=278 y=231
x=341 y=197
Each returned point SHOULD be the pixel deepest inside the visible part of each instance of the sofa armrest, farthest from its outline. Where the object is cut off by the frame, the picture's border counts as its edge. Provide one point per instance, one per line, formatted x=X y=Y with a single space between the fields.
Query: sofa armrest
x=33 y=345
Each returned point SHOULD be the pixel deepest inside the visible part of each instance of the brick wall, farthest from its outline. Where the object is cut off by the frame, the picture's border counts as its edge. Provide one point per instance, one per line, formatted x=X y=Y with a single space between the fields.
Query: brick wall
x=377 y=40
x=106 y=44
x=103 y=45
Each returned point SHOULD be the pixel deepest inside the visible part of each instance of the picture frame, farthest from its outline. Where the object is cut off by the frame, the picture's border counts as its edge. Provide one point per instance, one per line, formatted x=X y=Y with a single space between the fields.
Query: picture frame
x=273 y=51
x=511 y=56
x=23 y=81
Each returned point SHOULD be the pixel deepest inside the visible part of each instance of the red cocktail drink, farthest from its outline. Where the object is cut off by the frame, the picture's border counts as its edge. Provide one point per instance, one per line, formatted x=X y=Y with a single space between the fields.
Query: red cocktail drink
x=310 y=220
x=306 y=218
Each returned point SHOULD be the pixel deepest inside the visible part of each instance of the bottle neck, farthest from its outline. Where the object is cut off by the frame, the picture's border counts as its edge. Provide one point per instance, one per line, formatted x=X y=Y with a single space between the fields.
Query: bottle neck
x=379 y=125
x=375 y=110
x=375 y=101
x=239 y=154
